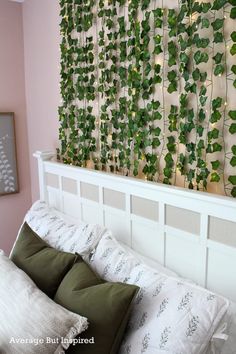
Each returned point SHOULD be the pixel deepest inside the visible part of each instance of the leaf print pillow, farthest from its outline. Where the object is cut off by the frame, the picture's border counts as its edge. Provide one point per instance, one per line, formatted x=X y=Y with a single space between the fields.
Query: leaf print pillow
x=169 y=314
x=63 y=232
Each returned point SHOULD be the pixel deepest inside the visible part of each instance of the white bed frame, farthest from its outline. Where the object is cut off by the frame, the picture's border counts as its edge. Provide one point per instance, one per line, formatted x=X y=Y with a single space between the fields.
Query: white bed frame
x=192 y=233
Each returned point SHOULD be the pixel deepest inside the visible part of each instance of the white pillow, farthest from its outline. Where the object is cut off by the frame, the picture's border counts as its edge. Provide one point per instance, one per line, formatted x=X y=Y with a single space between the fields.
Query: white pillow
x=62 y=232
x=149 y=262
x=169 y=314
x=28 y=318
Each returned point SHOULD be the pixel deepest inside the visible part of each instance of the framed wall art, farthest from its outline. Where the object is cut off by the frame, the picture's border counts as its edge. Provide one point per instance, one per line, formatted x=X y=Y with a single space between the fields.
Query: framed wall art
x=8 y=162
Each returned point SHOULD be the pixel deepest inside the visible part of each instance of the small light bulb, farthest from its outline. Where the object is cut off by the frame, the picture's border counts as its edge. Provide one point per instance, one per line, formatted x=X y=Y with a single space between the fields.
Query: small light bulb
x=133 y=114
x=206 y=110
x=226 y=103
x=145 y=178
x=133 y=91
x=225 y=16
x=219 y=75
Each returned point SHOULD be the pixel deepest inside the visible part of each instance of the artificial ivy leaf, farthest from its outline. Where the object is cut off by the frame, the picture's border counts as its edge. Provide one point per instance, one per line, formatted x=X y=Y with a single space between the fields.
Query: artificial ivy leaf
x=216 y=103
x=203 y=100
x=218 y=24
x=215 y=164
x=233 y=69
x=233 y=192
x=203 y=76
x=157 y=68
x=184 y=58
x=216 y=147
x=218 y=57
x=218 y=4
x=232 y=114
x=232 y=179
x=213 y=134
x=196 y=74
x=206 y=7
x=157 y=50
x=201 y=115
x=218 y=37
x=233 y=36
x=233 y=49
x=232 y=2
x=167 y=172
x=232 y=128
x=183 y=43
x=200 y=130
x=219 y=70
x=171 y=75
x=233 y=161
x=233 y=13
x=172 y=87
x=234 y=83
x=205 y=23
x=157 y=79
x=157 y=131
x=203 y=90
x=215 y=177
x=172 y=61
x=200 y=57
x=145 y=95
x=157 y=116
x=215 y=117
x=233 y=149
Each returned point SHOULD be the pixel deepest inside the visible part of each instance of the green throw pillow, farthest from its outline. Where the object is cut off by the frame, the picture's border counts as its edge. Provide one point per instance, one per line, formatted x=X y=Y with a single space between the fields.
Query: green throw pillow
x=45 y=265
x=106 y=305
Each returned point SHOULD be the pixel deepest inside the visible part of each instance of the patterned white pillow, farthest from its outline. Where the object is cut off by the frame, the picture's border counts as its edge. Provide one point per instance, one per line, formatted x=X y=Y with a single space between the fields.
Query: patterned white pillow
x=169 y=315
x=30 y=322
x=62 y=232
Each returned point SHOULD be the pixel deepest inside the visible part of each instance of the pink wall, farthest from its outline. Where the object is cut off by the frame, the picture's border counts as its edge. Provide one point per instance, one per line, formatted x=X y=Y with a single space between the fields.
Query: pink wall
x=12 y=98
x=42 y=60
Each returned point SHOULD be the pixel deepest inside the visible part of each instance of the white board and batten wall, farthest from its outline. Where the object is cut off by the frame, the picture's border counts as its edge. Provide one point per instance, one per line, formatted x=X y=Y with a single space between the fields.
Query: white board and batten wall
x=192 y=233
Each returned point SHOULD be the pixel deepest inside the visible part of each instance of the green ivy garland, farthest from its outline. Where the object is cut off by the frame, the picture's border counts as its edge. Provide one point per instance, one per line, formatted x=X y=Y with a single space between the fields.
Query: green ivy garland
x=119 y=111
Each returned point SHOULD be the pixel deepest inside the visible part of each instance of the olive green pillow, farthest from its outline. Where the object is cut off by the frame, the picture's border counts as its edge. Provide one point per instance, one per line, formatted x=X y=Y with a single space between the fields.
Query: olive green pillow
x=106 y=305
x=45 y=265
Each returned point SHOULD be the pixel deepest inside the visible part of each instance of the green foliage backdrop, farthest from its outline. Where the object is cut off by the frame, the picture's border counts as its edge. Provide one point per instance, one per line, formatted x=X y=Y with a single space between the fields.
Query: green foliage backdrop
x=146 y=90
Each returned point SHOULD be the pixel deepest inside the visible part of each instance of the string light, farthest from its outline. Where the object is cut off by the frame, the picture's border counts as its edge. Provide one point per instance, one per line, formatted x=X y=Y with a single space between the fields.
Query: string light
x=133 y=114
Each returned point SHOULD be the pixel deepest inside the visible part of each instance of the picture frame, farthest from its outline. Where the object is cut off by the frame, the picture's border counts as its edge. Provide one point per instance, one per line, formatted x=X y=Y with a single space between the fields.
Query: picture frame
x=8 y=161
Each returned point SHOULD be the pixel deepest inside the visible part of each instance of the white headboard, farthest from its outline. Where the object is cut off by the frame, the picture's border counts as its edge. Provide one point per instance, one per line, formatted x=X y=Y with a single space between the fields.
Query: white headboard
x=192 y=233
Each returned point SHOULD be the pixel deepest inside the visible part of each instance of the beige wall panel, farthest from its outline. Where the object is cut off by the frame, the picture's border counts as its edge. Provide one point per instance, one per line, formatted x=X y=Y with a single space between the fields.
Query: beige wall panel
x=183 y=219
x=89 y=191
x=222 y=231
x=52 y=180
x=144 y=207
x=114 y=199
x=69 y=185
